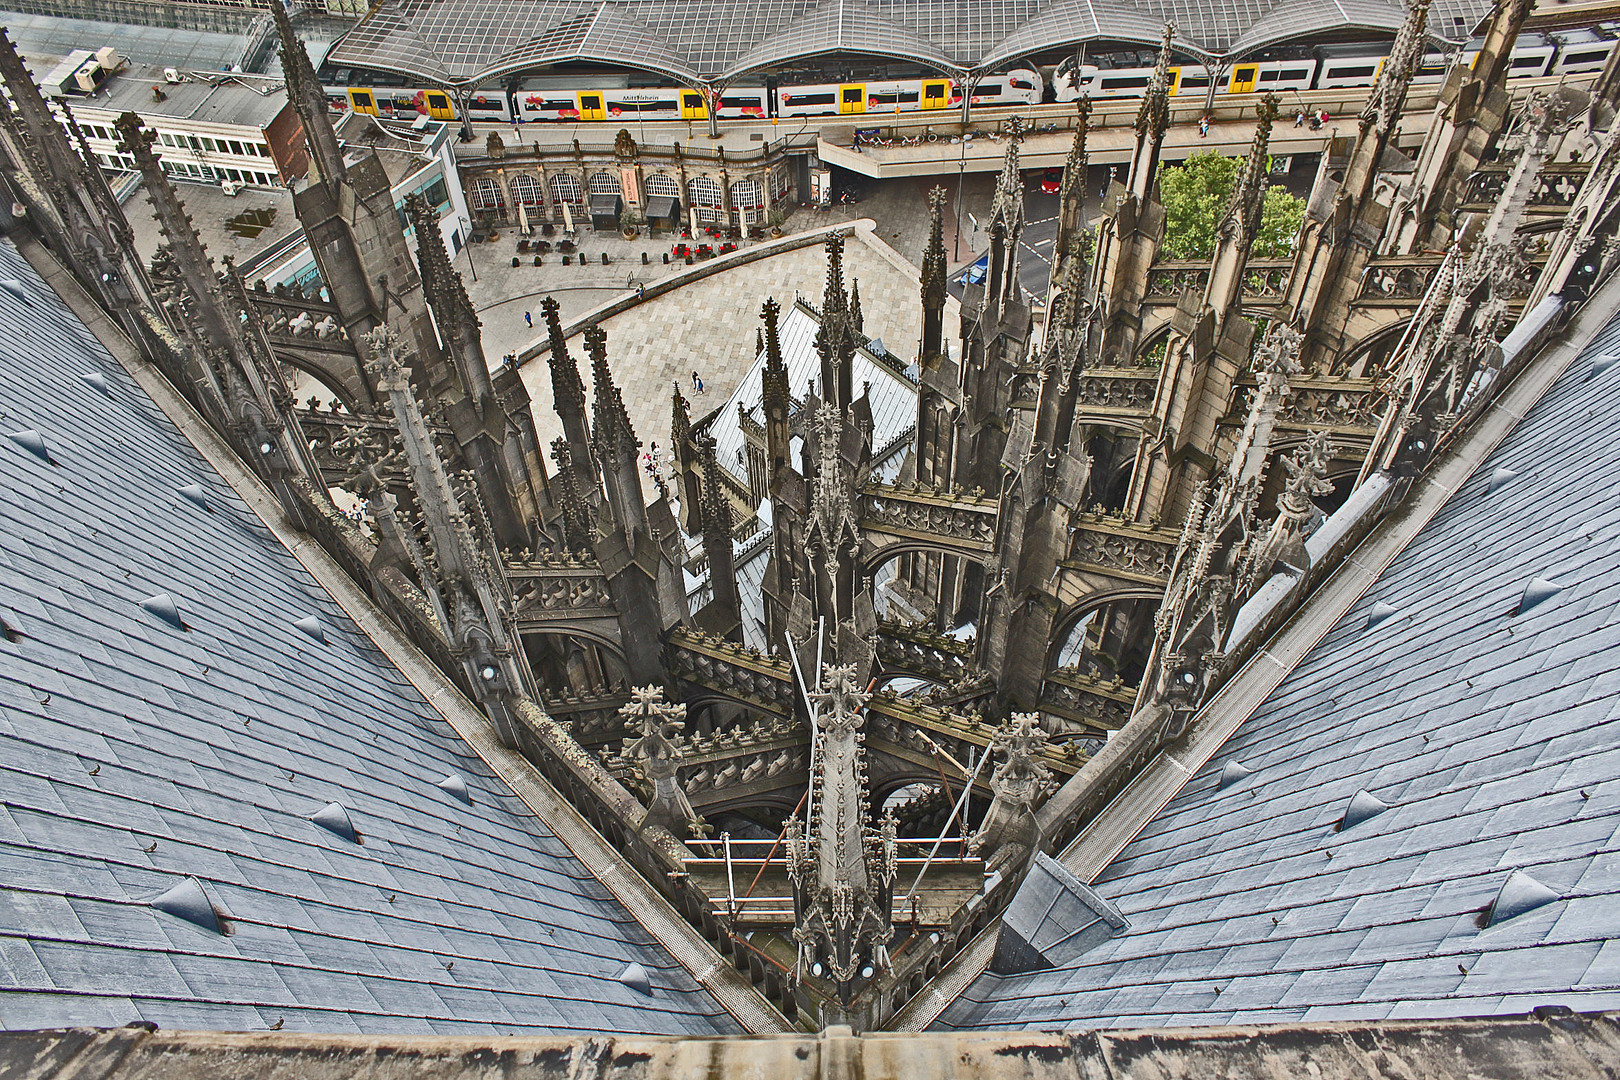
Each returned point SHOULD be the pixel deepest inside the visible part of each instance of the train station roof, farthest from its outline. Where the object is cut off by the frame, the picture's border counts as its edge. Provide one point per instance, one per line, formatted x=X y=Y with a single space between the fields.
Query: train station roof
x=469 y=43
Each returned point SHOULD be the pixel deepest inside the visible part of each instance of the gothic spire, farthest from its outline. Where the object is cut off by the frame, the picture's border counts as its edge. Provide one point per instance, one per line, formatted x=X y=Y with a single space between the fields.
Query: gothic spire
x=768 y=312
x=835 y=340
x=842 y=872
x=855 y=318
x=308 y=99
x=221 y=326
x=1154 y=115
x=1242 y=217
x=568 y=399
x=933 y=262
x=833 y=297
x=1388 y=97
x=1007 y=206
x=613 y=430
x=616 y=445
x=1074 y=166
x=447 y=295
x=933 y=282
x=718 y=522
x=576 y=517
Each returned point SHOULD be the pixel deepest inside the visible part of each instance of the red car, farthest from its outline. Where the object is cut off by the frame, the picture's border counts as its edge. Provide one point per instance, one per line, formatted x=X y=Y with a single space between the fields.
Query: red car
x=1051 y=180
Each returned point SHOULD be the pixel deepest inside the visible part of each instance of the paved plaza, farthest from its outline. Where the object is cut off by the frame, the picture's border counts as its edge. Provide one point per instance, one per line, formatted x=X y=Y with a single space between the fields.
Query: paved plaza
x=709 y=327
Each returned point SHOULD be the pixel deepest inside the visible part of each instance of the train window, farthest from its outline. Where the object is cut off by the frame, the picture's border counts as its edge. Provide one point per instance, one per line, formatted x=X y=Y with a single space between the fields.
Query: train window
x=485 y=104
x=1269 y=76
x=988 y=90
x=741 y=103
x=1295 y=73
x=1357 y=72
x=1195 y=82
x=1531 y=61
x=1591 y=57
x=852 y=94
x=691 y=101
x=1126 y=83
x=933 y=91
x=894 y=97
x=808 y=99
x=556 y=104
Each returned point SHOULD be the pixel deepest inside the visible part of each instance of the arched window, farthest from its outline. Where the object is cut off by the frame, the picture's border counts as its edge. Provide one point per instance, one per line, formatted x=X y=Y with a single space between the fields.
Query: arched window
x=486 y=196
x=663 y=184
x=704 y=193
x=565 y=189
x=605 y=183
x=748 y=199
x=526 y=192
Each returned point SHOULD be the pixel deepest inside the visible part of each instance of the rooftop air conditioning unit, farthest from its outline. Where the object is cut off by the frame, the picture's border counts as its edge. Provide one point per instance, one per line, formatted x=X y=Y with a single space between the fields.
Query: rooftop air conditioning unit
x=89 y=76
x=171 y=75
x=108 y=58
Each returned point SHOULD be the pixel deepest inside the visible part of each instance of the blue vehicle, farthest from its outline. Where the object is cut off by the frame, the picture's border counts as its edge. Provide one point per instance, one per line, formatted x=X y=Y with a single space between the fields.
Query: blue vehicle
x=975 y=274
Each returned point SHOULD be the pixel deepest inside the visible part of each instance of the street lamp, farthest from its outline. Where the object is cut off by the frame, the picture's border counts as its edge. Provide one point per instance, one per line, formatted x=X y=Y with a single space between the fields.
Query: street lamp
x=961 y=168
x=466 y=242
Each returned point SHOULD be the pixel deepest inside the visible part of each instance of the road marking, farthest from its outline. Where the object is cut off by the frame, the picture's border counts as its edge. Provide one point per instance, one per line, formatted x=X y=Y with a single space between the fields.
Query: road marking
x=1043 y=243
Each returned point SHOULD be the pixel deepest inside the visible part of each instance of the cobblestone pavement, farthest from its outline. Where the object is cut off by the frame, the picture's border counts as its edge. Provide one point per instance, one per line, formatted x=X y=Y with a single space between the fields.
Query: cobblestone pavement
x=709 y=327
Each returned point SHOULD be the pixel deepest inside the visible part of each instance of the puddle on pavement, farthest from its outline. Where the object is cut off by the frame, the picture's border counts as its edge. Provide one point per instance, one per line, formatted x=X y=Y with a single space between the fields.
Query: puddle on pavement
x=250 y=223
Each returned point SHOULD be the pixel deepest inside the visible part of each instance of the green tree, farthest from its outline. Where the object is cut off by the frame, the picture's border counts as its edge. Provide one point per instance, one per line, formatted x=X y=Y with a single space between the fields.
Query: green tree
x=1195 y=194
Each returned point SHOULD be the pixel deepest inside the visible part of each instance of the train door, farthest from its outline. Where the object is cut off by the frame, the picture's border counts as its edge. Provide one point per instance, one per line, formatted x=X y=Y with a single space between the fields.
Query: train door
x=438 y=105
x=591 y=105
x=1175 y=82
x=852 y=98
x=1244 y=76
x=692 y=106
x=936 y=93
x=363 y=101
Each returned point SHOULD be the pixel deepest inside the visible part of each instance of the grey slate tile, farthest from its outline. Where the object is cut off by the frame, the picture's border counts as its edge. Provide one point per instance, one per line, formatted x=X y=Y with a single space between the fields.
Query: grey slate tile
x=162 y=712
x=1483 y=778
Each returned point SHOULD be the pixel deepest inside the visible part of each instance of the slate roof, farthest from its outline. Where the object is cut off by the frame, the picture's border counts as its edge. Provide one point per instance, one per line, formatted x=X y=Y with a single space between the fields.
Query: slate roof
x=893 y=400
x=1493 y=737
x=892 y=396
x=219 y=743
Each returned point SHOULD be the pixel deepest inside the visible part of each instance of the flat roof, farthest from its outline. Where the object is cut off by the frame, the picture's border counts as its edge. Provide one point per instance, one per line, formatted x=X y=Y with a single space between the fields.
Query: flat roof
x=203 y=97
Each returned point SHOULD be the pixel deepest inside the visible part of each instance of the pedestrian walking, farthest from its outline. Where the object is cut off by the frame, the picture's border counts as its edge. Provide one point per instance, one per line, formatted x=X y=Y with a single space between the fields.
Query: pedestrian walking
x=528 y=318
x=641 y=291
x=1203 y=127
x=697 y=384
x=1299 y=118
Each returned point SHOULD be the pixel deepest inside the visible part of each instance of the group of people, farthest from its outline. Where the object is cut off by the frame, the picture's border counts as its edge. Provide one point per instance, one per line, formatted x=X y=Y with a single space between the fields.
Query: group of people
x=652 y=462
x=1314 y=117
